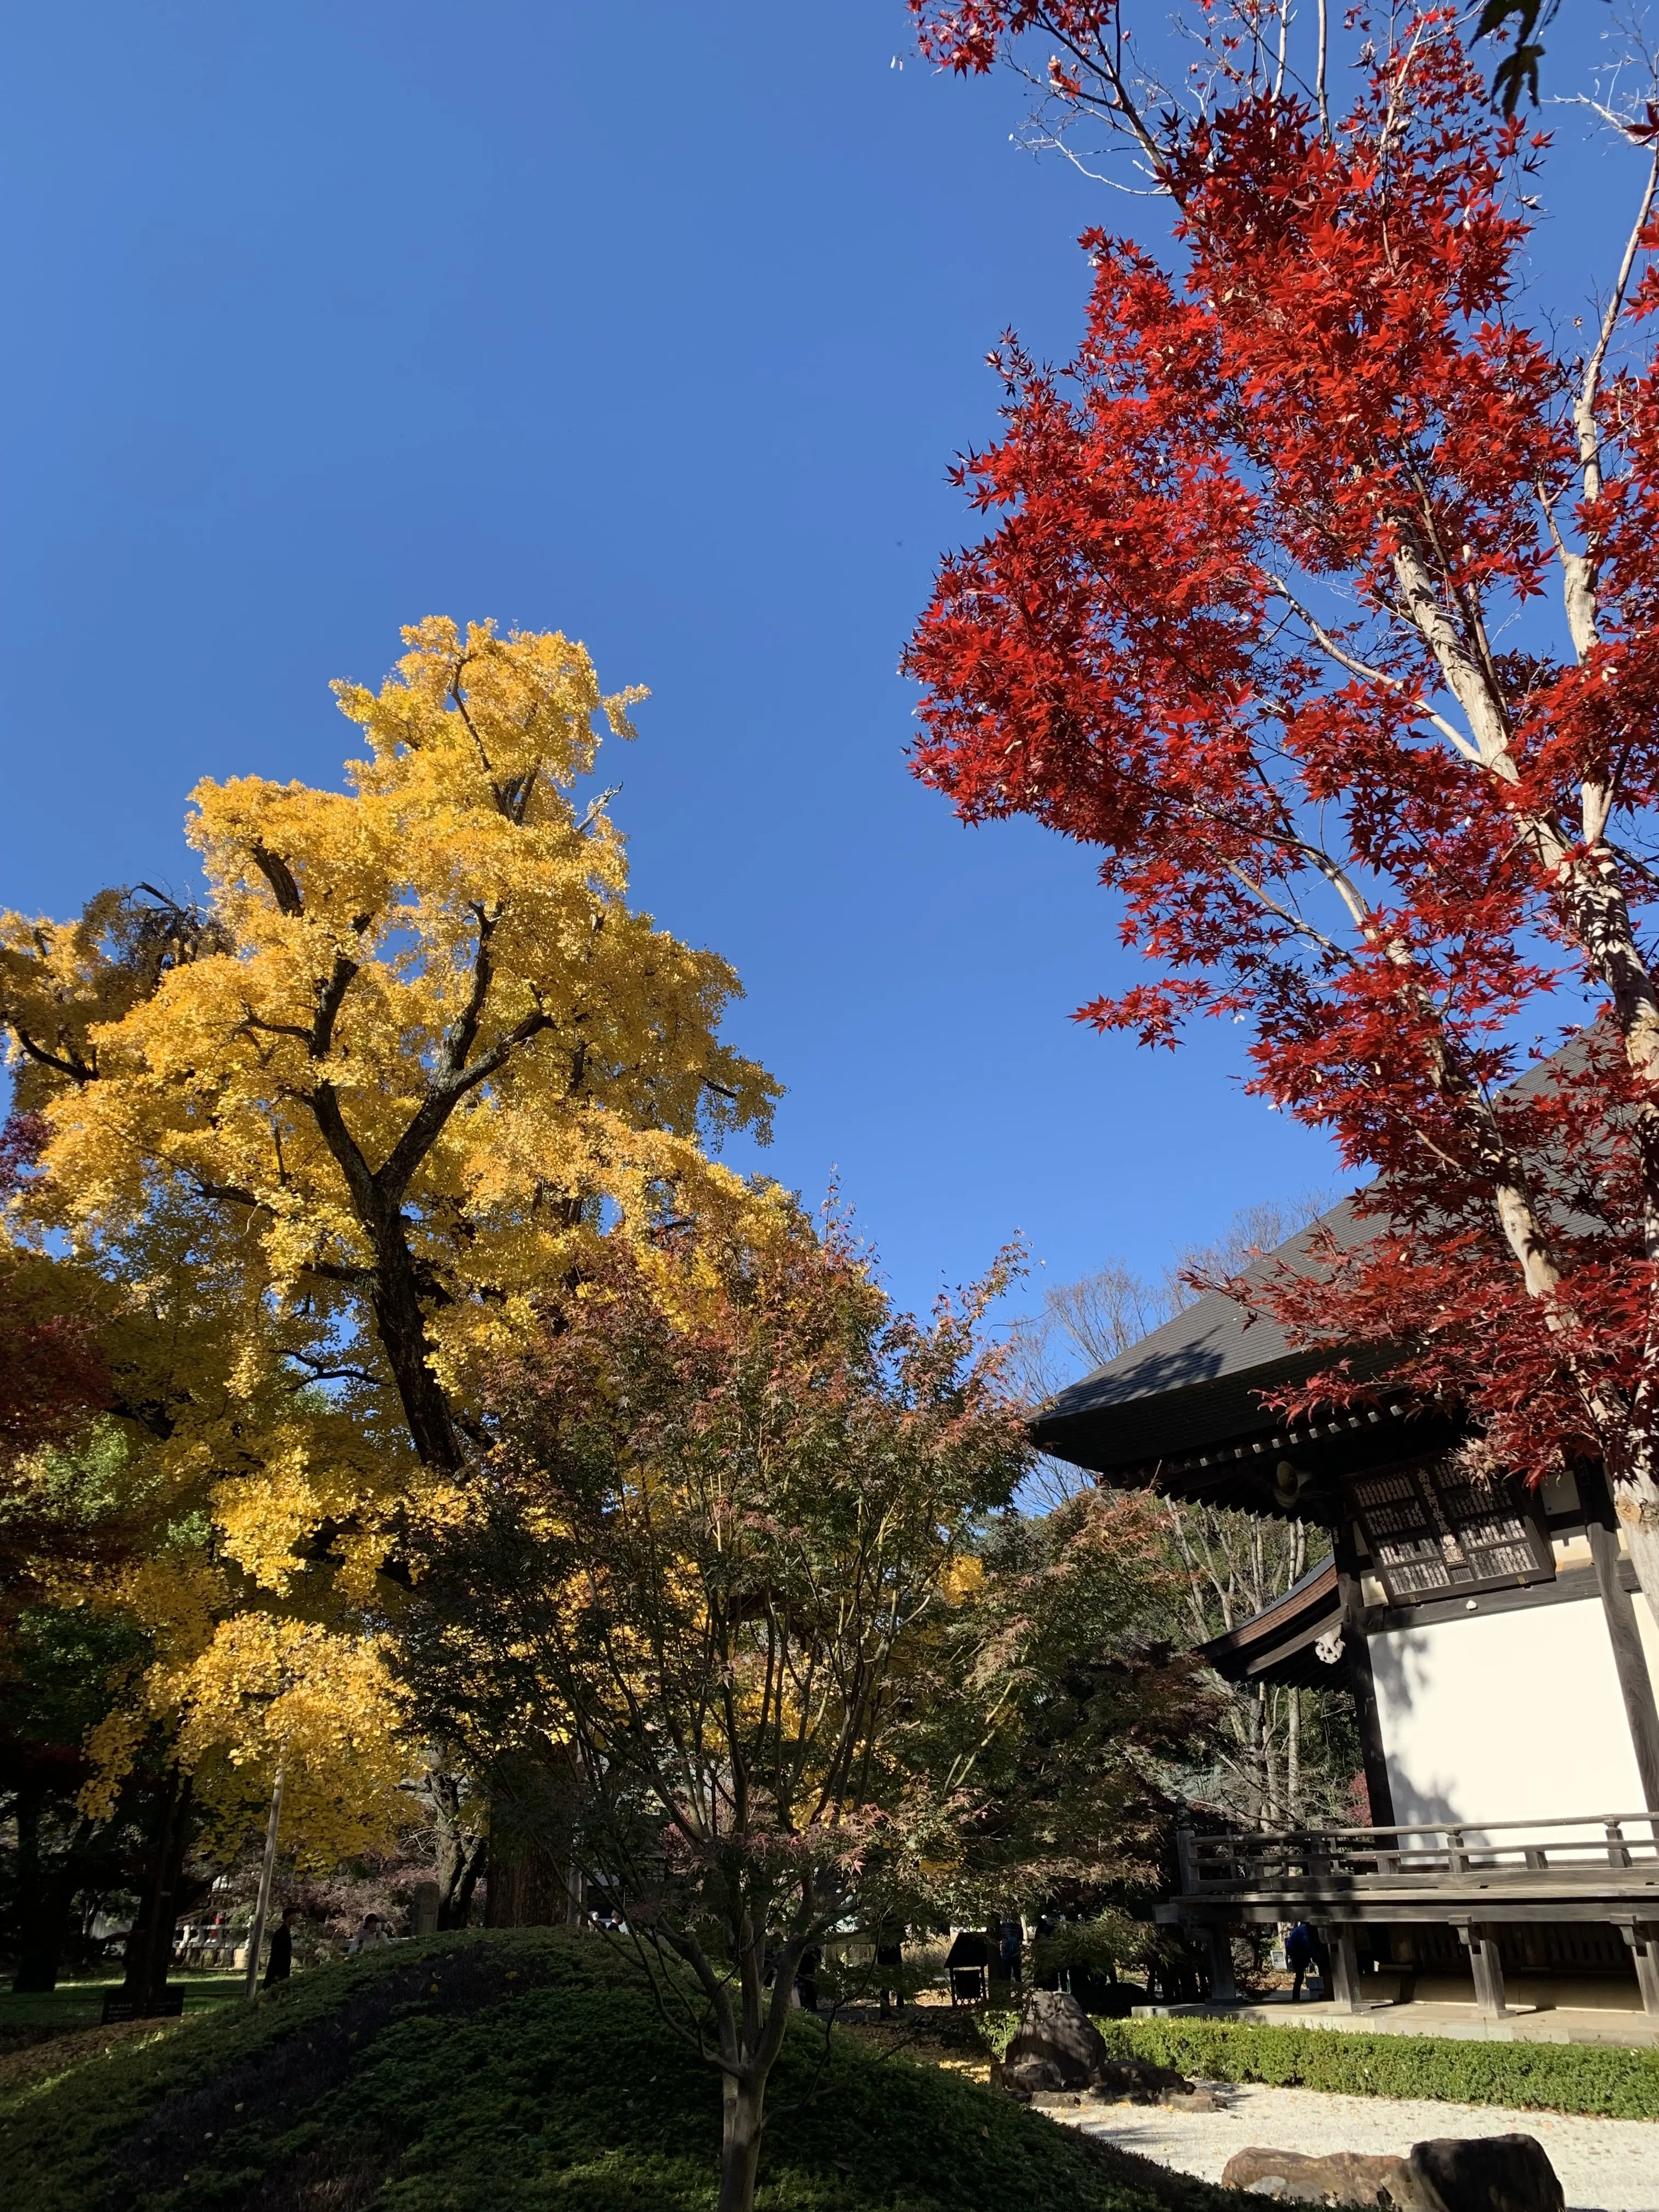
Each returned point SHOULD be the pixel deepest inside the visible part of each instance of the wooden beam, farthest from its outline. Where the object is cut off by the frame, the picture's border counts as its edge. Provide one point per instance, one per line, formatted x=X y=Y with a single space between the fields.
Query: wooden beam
x=1358 y=1652
x=1619 y=1610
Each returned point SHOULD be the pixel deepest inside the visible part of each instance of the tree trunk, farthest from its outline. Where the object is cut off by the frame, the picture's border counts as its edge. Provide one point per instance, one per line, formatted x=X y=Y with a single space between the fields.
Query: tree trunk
x=529 y=1889
x=45 y=1924
x=149 y=1947
x=1270 y=1753
x=459 y=1864
x=400 y=1324
x=533 y=1835
x=1636 y=1503
x=460 y=1849
x=394 y=1291
x=1293 y=1759
x=38 y=1941
x=740 y=2143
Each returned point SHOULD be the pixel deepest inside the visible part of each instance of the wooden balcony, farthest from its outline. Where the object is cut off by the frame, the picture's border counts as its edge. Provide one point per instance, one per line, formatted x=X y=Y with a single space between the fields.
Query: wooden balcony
x=1473 y=1878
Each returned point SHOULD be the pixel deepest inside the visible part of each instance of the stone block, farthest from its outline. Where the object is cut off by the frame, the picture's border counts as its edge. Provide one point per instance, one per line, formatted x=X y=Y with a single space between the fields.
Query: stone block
x=1026 y=2077
x=1451 y=2173
x=1345 y=2177
x=1490 y=2173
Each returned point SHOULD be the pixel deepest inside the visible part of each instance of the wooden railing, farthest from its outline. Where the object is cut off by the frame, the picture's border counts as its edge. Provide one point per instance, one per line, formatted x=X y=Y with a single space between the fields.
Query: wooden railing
x=1555 y=1851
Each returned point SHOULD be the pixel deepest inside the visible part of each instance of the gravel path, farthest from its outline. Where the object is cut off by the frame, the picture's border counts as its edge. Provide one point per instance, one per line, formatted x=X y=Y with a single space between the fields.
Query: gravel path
x=1611 y=2166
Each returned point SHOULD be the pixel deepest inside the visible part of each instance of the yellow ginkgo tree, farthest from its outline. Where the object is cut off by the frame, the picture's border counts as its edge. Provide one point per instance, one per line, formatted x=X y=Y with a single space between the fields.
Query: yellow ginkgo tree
x=410 y=1061
x=164 y=1527
x=423 y=1050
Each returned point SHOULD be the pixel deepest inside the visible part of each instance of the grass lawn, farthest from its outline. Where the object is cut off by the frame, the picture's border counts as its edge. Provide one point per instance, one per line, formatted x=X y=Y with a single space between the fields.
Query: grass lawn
x=474 y=2073
x=78 y=2004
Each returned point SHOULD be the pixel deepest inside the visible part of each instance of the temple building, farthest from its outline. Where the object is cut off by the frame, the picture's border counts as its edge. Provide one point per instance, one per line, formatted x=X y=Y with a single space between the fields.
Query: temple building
x=1502 y=1662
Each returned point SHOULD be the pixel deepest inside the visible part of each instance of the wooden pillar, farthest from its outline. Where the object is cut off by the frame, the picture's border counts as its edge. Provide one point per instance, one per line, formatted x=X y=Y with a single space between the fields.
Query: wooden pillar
x=1358 y=1653
x=1344 y=1990
x=1643 y=1936
x=1635 y=1683
x=1487 y=1969
x=1186 y=1862
x=1223 y=1987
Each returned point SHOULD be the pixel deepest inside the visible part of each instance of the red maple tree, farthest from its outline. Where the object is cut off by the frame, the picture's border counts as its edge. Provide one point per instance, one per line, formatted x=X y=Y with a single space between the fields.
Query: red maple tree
x=1320 y=595
x=52 y=1375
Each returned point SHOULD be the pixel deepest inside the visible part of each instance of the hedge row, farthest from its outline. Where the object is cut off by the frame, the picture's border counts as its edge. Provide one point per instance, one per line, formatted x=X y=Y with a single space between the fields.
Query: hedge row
x=1557 y=2077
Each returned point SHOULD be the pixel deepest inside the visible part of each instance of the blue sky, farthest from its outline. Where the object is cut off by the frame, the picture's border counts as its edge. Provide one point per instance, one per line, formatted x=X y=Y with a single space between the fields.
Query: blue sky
x=659 y=326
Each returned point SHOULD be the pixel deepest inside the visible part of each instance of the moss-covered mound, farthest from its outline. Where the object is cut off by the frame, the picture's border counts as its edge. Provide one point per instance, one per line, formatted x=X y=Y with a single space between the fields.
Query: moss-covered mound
x=523 y=2071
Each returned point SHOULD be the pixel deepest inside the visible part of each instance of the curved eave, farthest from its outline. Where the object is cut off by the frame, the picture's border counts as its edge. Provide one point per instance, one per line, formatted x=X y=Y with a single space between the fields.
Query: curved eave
x=1277 y=1645
x=1215 y=1443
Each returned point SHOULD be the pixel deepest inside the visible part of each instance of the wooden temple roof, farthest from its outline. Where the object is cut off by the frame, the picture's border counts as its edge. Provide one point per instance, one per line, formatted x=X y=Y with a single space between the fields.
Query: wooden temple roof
x=1181 y=1410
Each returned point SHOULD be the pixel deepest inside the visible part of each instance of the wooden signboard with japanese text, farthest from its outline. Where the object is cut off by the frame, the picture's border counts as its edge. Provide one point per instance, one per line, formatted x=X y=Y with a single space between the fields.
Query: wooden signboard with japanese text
x=1435 y=1528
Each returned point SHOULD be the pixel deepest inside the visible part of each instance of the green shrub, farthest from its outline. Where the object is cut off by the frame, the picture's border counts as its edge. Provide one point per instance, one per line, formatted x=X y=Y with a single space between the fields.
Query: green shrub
x=1558 y=2077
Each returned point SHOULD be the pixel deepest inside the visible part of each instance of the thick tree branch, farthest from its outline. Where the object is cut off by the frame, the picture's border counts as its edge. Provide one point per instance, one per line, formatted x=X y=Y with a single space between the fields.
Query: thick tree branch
x=79 y=1071
x=440 y=1101
x=277 y=873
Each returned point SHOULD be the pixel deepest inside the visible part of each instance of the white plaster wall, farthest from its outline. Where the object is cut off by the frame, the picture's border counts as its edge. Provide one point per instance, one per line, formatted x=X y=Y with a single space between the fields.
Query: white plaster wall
x=1505 y=1717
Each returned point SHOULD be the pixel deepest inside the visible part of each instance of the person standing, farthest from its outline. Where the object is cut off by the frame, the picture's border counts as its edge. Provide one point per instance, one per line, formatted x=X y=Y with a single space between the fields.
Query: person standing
x=279 y=1963
x=890 y=1964
x=1011 y=1947
x=1298 y=1956
x=369 y=1937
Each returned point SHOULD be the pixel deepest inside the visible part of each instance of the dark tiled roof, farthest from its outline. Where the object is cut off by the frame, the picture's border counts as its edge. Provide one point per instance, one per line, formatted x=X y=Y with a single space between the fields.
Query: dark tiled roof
x=1190 y=1383
x=1186 y=1398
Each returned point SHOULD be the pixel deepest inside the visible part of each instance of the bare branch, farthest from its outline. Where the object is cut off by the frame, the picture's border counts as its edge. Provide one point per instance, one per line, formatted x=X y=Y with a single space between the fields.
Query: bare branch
x=1339 y=653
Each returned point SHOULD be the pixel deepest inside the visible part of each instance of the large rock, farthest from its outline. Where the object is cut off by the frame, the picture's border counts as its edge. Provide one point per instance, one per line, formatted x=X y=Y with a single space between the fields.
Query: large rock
x=1344 y=2178
x=1054 y=2029
x=1478 y=2173
x=1489 y=2174
x=1057 y=2046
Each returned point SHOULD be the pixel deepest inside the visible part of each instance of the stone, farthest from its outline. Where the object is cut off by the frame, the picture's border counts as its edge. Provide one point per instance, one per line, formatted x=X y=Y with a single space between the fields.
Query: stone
x=1191 y=2098
x=1451 y=2173
x=1394 y=2185
x=1054 y=2029
x=1026 y=2077
x=1140 y=2082
x=1489 y=2174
